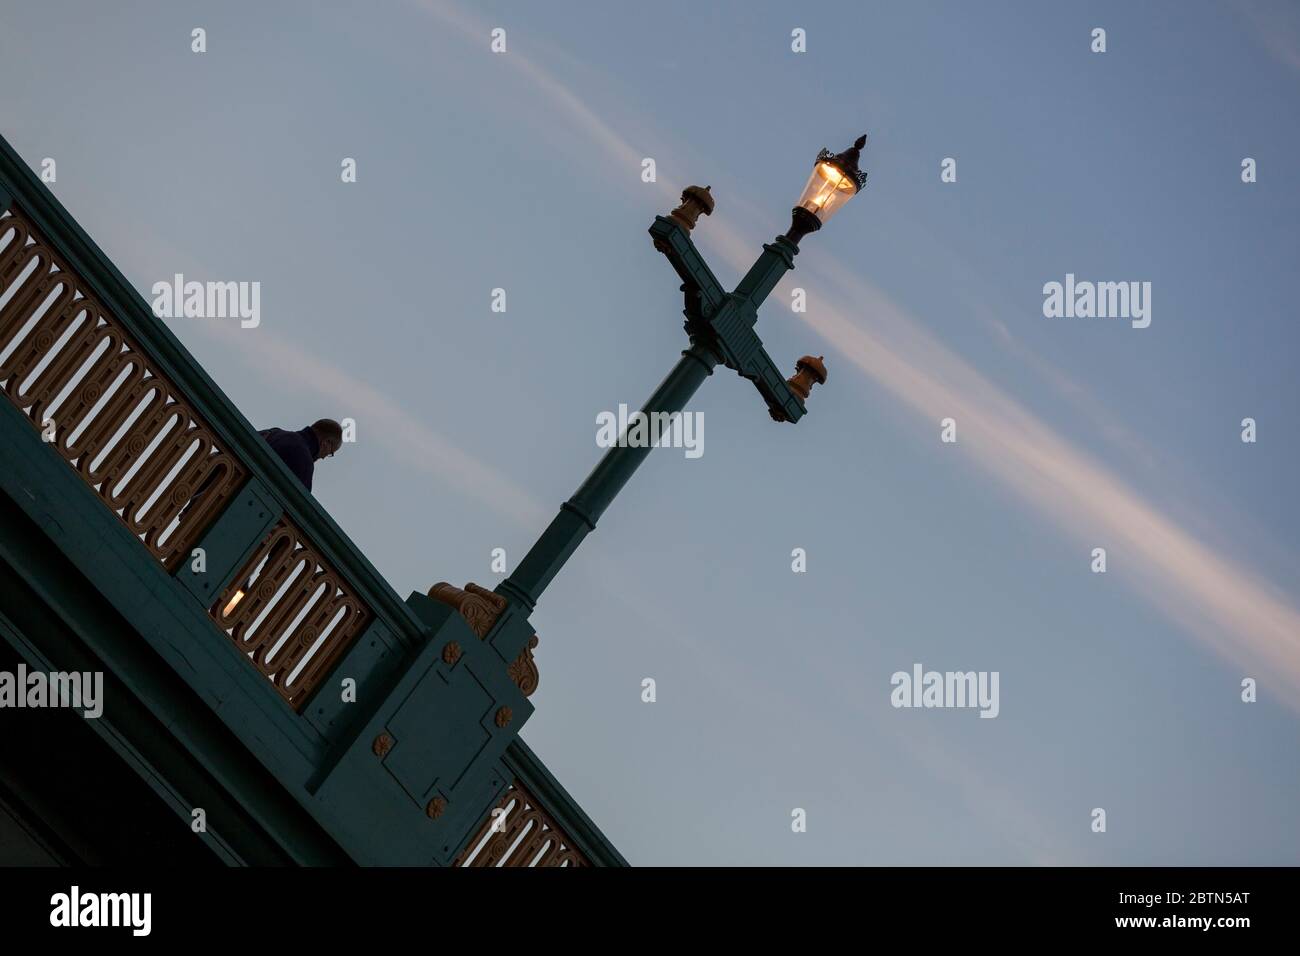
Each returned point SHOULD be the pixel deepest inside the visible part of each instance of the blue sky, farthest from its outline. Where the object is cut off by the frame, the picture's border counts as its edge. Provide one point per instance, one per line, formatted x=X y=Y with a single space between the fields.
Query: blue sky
x=523 y=171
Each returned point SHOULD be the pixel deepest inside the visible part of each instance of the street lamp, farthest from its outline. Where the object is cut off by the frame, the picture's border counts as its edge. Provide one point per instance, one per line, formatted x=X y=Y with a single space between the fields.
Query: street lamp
x=835 y=180
x=720 y=326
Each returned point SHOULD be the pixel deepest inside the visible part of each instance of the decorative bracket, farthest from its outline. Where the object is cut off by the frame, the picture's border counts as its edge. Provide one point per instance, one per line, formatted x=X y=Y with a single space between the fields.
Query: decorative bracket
x=481 y=608
x=724 y=322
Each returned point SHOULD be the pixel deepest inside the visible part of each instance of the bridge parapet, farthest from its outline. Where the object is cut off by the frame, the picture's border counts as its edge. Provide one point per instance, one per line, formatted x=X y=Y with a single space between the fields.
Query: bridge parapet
x=207 y=545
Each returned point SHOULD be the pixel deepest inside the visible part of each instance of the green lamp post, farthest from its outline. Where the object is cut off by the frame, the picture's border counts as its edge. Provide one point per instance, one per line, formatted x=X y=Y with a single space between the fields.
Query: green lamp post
x=410 y=771
x=720 y=327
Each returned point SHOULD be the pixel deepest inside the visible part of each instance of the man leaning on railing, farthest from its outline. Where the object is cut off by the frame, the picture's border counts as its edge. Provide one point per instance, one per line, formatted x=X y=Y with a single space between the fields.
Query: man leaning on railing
x=301 y=450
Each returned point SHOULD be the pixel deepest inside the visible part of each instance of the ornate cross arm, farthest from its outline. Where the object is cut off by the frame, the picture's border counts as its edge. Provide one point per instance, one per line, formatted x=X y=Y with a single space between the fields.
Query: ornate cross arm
x=671 y=235
x=724 y=322
x=720 y=325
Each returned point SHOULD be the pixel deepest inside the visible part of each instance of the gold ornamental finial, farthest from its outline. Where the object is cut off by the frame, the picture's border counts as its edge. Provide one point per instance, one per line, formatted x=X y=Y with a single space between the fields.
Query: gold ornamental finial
x=808 y=371
x=695 y=200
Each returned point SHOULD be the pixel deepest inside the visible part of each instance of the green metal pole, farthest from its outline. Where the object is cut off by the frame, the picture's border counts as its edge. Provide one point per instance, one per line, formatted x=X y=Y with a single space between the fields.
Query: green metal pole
x=578 y=515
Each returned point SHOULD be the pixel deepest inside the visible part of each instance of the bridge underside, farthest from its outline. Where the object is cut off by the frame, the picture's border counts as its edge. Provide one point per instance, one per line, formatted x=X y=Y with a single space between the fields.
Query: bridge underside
x=120 y=788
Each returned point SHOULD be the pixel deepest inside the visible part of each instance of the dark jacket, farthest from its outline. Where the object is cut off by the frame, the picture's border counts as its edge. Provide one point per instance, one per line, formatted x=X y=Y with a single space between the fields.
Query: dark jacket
x=297 y=449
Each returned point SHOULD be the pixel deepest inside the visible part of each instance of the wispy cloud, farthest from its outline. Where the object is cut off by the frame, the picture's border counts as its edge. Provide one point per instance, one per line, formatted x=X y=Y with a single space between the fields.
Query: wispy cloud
x=1035 y=840
x=1230 y=607
x=585 y=119
x=1233 y=609
x=1080 y=399
x=281 y=362
x=406 y=437
x=1276 y=26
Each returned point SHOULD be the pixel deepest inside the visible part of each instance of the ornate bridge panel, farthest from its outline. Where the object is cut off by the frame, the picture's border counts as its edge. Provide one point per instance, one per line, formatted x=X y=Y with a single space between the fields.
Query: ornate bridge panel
x=289 y=613
x=71 y=368
x=518 y=832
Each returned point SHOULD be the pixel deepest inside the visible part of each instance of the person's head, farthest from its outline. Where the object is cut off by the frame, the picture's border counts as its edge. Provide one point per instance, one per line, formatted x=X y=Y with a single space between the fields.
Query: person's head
x=329 y=434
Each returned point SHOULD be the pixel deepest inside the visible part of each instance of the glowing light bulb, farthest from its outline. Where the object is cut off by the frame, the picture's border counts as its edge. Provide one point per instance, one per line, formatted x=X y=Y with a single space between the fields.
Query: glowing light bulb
x=835 y=177
x=239 y=596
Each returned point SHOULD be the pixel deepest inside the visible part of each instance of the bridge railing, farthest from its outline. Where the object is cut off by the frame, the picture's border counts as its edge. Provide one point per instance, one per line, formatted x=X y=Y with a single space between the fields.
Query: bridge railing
x=148 y=448
x=536 y=823
x=141 y=427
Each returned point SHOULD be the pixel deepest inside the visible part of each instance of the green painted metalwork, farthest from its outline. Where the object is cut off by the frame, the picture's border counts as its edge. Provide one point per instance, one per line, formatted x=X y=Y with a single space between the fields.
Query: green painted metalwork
x=521 y=763
x=57 y=620
x=721 y=330
x=239 y=436
x=453 y=725
x=229 y=542
x=578 y=515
